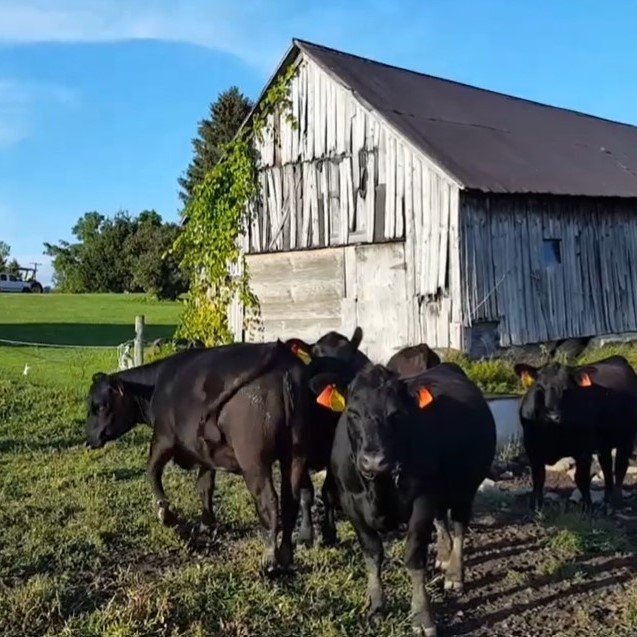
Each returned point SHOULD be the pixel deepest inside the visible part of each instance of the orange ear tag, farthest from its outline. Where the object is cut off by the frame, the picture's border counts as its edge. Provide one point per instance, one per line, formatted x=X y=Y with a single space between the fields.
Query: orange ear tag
x=331 y=398
x=302 y=354
x=526 y=379
x=424 y=397
x=584 y=380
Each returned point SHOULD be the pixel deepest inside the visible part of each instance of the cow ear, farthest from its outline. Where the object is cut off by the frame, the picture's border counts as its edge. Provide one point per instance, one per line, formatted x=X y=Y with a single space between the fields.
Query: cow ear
x=526 y=373
x=582 y=376
x=301 y=349
x=357 y=337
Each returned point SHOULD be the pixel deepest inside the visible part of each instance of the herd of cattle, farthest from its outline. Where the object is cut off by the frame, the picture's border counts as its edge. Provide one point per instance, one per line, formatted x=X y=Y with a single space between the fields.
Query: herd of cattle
x=407 y=443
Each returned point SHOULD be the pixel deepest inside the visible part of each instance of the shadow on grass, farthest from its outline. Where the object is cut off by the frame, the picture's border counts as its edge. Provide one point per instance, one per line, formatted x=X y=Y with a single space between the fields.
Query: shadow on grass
x=10 y=445
x=80 y=333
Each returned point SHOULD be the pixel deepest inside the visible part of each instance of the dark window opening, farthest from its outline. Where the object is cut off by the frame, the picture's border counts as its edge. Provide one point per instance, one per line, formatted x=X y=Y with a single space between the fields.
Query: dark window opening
x=552 y=252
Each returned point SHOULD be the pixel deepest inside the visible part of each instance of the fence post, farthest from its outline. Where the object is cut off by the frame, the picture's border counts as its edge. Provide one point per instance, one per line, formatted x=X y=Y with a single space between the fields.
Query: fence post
x=139 y=340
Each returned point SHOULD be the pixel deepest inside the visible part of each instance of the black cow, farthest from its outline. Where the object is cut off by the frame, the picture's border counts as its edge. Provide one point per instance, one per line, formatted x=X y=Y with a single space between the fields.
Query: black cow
x=412 y=360
x=576 y=411
x=174 y=394
x=409 y=450
x=332 y=352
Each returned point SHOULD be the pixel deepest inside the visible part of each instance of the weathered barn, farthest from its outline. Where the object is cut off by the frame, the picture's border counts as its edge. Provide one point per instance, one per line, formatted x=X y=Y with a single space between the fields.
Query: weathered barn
x=428 y=210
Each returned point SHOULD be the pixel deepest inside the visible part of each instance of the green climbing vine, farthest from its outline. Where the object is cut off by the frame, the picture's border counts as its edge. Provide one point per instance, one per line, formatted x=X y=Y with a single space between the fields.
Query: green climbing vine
x=217 y=215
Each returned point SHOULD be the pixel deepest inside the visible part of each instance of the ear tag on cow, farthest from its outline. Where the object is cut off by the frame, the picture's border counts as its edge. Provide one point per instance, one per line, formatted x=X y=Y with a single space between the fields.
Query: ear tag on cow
x=584 y=380
x=302 y=354
x=331 y=398
x=526 y=378
x=424 y=397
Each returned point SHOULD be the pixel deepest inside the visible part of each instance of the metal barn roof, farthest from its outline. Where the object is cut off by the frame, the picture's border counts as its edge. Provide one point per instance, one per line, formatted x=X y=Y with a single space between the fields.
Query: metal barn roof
x=490 y=141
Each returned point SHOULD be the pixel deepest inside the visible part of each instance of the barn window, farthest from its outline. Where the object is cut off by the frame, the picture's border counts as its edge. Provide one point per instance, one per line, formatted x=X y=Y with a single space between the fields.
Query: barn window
x=552 y=252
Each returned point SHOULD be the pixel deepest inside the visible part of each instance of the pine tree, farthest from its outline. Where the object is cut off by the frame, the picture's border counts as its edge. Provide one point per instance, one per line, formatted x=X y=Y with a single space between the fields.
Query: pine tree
x=227 y=114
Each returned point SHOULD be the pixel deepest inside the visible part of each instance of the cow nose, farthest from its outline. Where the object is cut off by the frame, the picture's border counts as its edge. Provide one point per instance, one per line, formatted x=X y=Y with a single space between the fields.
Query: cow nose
x=373 y=463
x=553 y=417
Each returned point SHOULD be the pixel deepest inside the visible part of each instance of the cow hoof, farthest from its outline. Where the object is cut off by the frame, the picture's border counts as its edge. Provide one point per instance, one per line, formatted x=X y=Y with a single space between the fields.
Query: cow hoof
x=305 y=538
x=374 y=618
x=427 y=632
x=166 y=516
x=423 y=625
x=205 y=529
x=456 y=587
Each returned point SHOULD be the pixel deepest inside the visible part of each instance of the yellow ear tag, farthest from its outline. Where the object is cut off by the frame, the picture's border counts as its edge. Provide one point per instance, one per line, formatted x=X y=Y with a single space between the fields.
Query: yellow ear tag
x=302 y=354
x=331 y=398
x=526 y=379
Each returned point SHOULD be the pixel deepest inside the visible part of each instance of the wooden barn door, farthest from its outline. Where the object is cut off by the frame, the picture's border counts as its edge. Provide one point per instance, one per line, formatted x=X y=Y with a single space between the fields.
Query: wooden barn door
x=381 y=301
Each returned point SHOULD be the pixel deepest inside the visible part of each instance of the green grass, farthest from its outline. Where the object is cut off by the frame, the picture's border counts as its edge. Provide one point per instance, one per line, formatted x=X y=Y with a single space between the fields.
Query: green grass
x=81 y=552
x=103 y=320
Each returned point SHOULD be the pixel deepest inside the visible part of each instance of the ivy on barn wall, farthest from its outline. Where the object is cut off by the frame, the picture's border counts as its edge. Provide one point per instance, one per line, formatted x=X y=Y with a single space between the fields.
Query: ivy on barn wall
x=217 y=215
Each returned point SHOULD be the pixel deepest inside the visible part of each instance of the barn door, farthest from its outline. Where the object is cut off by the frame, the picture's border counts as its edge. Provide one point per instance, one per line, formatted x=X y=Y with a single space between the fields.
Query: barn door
x=381 y=301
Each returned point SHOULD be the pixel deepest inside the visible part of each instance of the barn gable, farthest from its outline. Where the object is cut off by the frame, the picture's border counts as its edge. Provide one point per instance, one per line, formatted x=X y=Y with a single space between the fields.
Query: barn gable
x=344 y=179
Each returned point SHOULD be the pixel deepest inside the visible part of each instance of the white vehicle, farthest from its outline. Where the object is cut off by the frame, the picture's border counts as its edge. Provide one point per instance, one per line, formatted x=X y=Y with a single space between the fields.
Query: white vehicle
x=20 y=283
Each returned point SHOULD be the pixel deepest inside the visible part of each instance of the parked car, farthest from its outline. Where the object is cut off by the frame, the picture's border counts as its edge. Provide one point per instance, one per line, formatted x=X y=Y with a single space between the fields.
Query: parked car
x=15 y=283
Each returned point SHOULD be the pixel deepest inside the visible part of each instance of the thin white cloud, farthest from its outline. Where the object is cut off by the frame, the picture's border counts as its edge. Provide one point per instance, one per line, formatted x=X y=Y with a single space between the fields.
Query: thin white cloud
x=19 y=102
x=255 y=31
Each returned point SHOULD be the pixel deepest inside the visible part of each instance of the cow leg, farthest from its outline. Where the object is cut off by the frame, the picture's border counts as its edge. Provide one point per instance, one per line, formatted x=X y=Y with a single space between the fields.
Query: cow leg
x=306 y=530
x=292 y=477
x=583 y=481
x=160 y=453
x=261 y=487
x=606 y=463
x=454 y=577
x=538 y=477
x=329 y=495
x=421 y=525
x=372 y=548
x=622 y=457
x=206 y=488
x=443 y=542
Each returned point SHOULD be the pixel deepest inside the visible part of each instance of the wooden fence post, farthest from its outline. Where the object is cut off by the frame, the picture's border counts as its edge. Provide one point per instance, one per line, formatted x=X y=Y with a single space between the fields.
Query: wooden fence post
x=139 y=340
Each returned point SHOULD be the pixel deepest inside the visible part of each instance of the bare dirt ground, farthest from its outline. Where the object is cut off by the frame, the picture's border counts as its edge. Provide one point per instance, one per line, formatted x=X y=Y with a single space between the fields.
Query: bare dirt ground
x=561 y=576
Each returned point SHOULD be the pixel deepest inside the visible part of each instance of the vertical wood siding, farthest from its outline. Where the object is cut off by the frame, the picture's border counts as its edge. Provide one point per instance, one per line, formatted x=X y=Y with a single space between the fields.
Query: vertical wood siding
x=346 y=178
x=508 y=278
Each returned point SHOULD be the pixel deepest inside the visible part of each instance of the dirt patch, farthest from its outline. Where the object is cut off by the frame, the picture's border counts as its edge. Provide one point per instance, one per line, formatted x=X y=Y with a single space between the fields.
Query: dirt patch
x=536 y=578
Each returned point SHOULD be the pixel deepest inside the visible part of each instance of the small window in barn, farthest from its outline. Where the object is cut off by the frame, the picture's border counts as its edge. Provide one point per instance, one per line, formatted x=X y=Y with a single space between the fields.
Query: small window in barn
x=552 y=252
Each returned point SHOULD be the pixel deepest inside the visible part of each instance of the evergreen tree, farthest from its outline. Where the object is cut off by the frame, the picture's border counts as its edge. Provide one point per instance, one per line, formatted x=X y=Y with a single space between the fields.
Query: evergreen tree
x=227 y=114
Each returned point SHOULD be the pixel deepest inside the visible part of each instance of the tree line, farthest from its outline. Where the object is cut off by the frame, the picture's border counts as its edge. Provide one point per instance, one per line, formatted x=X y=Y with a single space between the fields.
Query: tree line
x=6 y=264
x=124 y=253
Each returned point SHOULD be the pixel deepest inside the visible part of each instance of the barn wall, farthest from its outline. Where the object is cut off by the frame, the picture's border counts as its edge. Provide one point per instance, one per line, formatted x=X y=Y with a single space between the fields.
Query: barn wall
x=343 y=178
x=310 y=292
x=540 y=269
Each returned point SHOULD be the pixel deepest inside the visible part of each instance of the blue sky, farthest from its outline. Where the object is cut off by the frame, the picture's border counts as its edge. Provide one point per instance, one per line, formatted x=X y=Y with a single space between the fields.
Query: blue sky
x=99 y=99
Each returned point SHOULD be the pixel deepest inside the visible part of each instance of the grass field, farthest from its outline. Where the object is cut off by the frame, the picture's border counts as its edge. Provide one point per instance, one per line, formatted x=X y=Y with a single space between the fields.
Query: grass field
x=81 y=553
x=102 y=320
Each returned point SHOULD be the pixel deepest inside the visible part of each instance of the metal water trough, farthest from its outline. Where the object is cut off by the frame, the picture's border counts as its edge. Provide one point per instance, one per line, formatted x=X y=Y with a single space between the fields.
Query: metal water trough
x=504 y=408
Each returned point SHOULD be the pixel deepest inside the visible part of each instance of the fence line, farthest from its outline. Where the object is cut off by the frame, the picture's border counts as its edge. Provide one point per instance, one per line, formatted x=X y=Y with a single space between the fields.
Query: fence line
x=8 y=341
x=125 y=359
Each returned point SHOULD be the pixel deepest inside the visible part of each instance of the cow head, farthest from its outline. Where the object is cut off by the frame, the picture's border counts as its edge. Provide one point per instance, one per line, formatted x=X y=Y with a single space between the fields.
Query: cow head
x=111 y=413
x=549 y=384
x=332 y=345
x=374 y=405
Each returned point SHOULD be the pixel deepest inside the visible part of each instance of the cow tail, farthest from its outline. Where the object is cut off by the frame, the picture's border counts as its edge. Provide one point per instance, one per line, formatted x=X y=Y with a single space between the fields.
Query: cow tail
x=212 y=413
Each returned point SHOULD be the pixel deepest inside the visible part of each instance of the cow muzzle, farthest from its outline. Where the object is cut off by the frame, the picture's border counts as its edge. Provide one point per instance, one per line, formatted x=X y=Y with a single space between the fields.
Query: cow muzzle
x=553 y=417
x=372 y=465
